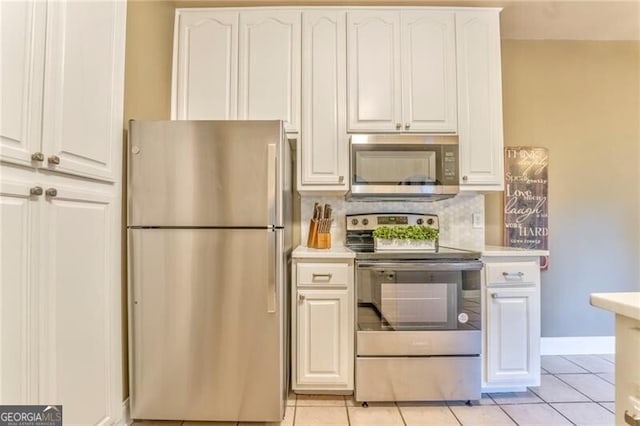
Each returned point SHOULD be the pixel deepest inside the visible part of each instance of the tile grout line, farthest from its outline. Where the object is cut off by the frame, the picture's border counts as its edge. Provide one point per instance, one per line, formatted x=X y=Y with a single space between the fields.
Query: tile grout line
x=404 y=422
x=577 y=390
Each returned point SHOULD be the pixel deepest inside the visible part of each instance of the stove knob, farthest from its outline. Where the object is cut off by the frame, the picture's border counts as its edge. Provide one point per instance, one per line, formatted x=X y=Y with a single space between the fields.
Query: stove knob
x=365 y=222
x=420 y=221
x=354 y=222
x=430 y=222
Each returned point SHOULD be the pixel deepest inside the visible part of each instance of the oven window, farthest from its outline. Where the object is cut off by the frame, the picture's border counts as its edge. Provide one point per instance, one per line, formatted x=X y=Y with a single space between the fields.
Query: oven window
x=395 y=167
x=397 y=300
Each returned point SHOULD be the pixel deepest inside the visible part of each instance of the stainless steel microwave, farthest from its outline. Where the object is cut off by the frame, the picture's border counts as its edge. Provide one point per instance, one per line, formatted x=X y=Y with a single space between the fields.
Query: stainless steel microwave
x=404 y=167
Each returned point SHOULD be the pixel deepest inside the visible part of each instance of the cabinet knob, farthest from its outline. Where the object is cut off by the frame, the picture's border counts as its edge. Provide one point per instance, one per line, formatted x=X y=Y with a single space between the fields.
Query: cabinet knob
x=631 y=419
x=54 y=159
x=398 y=126
x=37 y=156
x=407 y=125
x=341 y=179
x=51 y=192
x=465 y=178
x=36 y=190
x=301 y=298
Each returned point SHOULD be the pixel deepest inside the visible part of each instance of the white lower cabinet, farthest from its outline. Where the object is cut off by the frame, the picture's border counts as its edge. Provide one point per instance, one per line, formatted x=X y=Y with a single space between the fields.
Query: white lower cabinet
x=511 y=324
x=322 y=326
x=60 y=296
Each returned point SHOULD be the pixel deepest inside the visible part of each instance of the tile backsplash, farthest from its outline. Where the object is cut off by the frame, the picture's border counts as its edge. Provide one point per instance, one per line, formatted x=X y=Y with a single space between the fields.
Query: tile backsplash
x=455 y=216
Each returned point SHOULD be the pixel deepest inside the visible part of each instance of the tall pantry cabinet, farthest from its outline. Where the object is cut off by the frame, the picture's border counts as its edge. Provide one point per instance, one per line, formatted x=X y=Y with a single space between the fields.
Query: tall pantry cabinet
x=60 y=147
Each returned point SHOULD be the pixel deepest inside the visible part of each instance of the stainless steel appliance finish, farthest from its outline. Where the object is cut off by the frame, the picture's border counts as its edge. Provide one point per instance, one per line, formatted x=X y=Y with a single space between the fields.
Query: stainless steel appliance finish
x=404 y=167
x=209 y=246
x=418 y=333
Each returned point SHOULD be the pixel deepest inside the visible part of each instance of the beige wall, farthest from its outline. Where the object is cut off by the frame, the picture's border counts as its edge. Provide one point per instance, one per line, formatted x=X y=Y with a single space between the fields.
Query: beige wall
x=579 y=99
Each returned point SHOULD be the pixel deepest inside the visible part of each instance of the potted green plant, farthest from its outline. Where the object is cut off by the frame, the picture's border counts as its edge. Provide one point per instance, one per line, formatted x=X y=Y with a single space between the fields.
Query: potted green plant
x=404 y=238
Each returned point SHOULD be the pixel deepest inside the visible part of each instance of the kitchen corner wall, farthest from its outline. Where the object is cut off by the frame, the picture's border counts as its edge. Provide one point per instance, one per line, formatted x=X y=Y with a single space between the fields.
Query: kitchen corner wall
x=455 y=216
x=580 y=99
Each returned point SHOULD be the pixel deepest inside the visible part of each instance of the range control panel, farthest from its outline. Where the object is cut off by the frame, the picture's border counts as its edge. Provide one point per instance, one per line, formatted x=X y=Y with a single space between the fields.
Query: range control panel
x=369 y=222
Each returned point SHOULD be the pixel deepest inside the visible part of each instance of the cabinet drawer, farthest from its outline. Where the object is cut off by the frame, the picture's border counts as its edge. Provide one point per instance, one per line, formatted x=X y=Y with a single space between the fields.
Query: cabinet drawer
x=512 y=273
x=322 y=274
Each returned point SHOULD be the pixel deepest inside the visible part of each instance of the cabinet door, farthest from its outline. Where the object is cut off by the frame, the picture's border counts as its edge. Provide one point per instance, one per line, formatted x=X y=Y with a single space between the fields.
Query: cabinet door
x=324 y=150
x=22 y=30
x=428 y=71
x=323 y=337
x=479 y=100
x=18 y=310
x=269 y=70
x=373 y=64
x=80 y=363
x=205 y=65
x=83 y=89
x=513 y=336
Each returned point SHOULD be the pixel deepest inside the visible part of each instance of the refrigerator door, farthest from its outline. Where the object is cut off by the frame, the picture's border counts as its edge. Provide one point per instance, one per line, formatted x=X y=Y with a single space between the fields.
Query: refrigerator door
x=206 y=173
x=207 y=333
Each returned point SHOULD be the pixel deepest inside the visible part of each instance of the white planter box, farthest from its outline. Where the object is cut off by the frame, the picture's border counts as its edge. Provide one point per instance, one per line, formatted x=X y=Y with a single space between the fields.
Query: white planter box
x=404 y=245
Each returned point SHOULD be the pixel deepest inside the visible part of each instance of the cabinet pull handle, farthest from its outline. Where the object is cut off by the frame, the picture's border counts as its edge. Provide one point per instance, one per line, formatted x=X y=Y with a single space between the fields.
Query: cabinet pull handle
x=54 y=159
x=631 y=419
x=51 y=192
x=301 y=298
x=340 y=178
x=327 y=276
x=398 y=126
x=407 y=125
x=36 y=190
x=37 y=156
x=508 y=275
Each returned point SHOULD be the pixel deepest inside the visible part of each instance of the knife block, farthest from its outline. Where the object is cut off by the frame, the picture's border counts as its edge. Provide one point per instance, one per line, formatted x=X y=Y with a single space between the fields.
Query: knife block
x=318 y=238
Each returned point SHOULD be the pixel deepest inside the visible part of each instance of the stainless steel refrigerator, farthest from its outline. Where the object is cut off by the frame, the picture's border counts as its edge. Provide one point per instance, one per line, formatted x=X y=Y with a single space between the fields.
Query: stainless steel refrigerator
x=209 y=241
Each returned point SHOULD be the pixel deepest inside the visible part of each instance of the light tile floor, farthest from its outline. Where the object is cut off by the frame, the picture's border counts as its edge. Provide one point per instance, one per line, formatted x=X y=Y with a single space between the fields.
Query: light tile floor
x=574 y=390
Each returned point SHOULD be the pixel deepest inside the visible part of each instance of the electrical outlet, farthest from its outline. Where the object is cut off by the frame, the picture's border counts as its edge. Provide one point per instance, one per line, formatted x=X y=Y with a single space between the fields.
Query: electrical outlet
x=477 y=220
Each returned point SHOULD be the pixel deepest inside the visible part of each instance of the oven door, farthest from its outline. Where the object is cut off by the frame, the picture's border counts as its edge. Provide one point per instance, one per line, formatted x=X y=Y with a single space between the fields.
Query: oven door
x=418 y=296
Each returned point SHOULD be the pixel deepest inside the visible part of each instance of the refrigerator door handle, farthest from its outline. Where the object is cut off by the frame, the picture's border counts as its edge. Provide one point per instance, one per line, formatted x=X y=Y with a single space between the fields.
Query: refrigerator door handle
x=271 y=184
x=271 y=281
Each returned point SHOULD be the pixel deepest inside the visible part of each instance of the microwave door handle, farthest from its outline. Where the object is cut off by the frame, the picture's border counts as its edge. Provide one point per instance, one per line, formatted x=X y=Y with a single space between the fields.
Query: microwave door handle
x=422 y=266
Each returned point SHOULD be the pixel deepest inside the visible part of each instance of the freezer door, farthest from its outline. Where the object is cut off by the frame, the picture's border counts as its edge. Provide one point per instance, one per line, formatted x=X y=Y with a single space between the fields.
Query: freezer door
x=205 y=173
x=206 y=322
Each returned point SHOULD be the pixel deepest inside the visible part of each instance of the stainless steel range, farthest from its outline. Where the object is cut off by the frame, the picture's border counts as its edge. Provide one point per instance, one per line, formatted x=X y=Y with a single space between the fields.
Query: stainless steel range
x=418 y=333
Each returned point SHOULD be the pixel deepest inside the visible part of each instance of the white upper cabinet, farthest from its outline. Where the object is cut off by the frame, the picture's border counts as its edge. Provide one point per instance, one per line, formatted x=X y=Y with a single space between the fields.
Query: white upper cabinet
x=269 y=78
x=373 y=64
x=63 y=91
x=206 y=73
x=428 y=71
x=479 y=100
x=237 y=64
x=22 y=41
x=323 y=151
x=401 y=71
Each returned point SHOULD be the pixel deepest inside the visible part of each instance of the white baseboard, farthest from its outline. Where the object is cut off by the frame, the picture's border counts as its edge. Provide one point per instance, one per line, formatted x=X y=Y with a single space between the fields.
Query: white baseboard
x=125 y=420
x=577 y=345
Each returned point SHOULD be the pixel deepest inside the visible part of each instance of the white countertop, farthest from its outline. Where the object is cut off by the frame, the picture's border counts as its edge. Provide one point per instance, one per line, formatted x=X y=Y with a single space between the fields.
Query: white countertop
x=623 y=303
x=339 y=251
x=512 y=251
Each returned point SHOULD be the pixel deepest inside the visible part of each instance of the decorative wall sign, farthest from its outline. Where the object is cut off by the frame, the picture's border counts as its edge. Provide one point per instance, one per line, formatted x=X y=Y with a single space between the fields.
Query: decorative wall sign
x=526 y=208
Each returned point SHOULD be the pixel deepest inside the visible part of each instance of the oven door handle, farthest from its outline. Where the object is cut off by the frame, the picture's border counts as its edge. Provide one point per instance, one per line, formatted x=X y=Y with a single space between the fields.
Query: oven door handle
x=421 y=266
